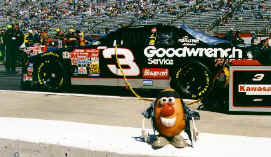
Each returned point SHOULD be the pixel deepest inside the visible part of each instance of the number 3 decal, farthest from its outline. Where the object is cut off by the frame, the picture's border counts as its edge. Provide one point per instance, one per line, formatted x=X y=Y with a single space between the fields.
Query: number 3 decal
x=258 y=77
x=128 y=60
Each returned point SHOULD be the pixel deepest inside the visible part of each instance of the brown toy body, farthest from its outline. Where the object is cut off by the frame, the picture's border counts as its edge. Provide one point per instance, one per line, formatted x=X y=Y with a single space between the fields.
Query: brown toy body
x=169 y=117
x=164 y=116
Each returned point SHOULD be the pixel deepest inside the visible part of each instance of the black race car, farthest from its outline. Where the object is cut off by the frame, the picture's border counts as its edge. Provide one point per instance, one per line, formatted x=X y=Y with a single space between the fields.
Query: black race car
x=150 y=56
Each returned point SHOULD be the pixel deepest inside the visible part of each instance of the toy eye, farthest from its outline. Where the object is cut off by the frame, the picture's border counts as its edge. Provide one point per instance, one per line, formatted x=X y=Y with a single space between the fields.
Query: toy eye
x=163 y=100
x=171 y=99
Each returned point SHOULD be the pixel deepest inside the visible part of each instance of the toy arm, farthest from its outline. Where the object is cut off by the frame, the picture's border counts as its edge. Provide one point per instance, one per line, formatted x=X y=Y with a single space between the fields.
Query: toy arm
x=148 y=113
x=190 y=113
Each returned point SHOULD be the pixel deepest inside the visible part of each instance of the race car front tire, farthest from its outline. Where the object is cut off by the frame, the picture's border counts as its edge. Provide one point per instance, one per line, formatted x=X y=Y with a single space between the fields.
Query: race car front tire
x=51 y=75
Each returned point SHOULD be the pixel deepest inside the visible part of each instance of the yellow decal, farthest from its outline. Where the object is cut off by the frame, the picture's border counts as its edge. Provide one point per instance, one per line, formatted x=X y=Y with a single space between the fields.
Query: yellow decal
x=94 y=69
x=178 y=73
x=50 y=54
x=39 y=70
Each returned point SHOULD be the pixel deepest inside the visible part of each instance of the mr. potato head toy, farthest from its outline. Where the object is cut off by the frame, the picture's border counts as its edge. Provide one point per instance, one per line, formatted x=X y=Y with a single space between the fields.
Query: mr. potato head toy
x=170 y=116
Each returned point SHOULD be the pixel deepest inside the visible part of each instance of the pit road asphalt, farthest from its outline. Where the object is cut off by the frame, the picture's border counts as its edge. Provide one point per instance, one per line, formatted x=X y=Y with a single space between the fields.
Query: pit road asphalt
x=121 y=111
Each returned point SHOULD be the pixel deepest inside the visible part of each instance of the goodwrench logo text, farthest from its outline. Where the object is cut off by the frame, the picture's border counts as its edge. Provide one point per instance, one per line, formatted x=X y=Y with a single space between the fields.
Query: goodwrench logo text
x=188 y=42
x=152 y=51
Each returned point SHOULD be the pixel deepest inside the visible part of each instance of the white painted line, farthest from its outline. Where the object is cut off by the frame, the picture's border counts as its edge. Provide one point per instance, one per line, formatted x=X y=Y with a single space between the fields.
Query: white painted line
x=66 y=94
x=122 y=139
x=75 y=94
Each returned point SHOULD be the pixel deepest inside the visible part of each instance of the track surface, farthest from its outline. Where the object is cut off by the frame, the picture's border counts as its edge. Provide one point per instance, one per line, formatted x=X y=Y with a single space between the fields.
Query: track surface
x=115 y=141
x=120 y=111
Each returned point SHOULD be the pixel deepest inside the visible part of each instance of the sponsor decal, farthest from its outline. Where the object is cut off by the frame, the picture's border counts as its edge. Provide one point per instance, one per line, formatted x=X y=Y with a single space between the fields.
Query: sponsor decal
x=86 y=61
x=82 y=70
x=101 y=47
x=154 y=30
x=250 y=88
x=155 y=73
x=188 y=42
x=245 y=62
x=33 y=50
x=84 y=53
x=258 y=100
x=255 y=89
x=147 y=82
x=27 y=78
x=75 y=72
x=94 y=69
x=153 y=36
x=29 y=71
x=79 y=57
x=160 y=61
x=65 y=55
x=258 y=77
x=59 y=43
x=127 y=60
x=83 y=61
x=231 y=53
x=152 y=40
x=50 y=54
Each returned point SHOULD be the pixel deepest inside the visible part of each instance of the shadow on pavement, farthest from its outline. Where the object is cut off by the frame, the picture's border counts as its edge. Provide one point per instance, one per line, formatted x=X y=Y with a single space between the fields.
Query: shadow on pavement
x=11 y=81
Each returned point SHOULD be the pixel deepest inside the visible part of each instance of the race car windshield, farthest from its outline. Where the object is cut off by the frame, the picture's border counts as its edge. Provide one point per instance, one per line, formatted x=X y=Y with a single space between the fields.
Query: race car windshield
x=165 y=39
x=204 y=37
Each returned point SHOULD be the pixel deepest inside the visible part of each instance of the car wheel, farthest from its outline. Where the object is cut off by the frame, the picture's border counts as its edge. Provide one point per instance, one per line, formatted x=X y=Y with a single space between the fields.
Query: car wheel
x=51 y=75
x=192 y=80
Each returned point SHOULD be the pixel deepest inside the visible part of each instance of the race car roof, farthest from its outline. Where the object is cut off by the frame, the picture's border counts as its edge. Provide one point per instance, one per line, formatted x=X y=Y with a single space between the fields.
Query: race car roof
x=209 y=40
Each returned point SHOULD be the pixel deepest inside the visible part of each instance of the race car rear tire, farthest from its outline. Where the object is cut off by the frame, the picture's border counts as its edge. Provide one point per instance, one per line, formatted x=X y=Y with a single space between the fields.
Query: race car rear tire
x=51 y=75
x=192 y=80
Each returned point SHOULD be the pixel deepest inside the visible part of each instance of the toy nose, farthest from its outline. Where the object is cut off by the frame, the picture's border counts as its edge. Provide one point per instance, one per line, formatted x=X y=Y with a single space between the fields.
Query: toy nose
x=167 y=110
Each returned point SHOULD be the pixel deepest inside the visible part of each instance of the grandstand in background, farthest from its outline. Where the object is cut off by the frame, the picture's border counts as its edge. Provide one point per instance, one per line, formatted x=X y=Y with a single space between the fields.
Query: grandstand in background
x=94 y=16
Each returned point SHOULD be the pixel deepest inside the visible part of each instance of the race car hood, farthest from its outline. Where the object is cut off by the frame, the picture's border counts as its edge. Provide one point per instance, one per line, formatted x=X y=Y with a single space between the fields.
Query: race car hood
x=209 y=40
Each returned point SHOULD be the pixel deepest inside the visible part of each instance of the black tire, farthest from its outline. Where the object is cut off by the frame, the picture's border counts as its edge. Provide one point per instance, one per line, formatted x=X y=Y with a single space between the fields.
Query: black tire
x=192 y=80
x=51 y=75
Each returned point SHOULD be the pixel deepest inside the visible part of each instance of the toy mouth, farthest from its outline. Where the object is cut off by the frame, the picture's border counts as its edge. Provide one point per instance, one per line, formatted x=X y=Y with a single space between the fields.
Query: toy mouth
x=168 y=122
